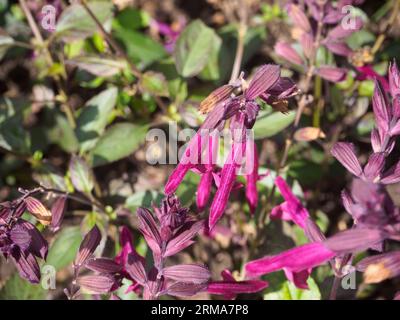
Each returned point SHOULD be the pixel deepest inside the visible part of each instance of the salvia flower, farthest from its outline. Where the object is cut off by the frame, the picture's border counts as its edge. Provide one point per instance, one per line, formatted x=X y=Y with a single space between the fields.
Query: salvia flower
x=241 y=110
x=324 y=27
x=229 y=287
x=168 y=232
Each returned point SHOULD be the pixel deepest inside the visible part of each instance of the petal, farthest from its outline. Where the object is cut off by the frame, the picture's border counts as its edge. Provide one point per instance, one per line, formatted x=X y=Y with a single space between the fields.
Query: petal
x=204 y=190
x=27 y=265
x=394 y=79
x=307 y=43
x=299 y=19
x=380 y=267
x=381 y=109
x=345 y=154
x=341 y=32
x=135 y=269
x=375 y=165
x=96 y=284
x=392 y=175
x=287 y=52
x=229 y=288
x=149 y=229
x=188 y=273
x=88 y=246
x=39 y=246
x=103 y=265
x=332 y=74
x=265 y=77
x=57 y=212
x=228 y=177
x=183 y=239
x=296 y=259
x=355 y=240
x=339 y=48
x=38 y=210
x=252 y=178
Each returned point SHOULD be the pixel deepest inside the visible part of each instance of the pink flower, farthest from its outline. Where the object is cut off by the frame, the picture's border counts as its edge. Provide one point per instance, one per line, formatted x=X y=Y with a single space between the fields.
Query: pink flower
x=229 y=287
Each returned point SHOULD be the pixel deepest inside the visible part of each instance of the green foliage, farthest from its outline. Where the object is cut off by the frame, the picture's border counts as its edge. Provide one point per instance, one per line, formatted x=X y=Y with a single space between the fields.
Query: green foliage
x=117 y=142
x=271 y=123
x=64 y=247
x=288 y=291
x=17 y=288
x=75 y=23
x=194 y=48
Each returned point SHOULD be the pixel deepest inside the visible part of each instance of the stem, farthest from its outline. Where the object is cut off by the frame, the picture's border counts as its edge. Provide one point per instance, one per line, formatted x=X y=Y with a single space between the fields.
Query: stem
x=242 y=29
x=66 y=108
x=381 y=38
x=334 y=289
x=119 y=51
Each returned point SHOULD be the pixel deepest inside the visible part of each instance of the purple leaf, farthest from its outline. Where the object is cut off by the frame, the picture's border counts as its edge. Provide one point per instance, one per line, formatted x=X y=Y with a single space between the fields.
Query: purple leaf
x=149 y=229
x=287 y=52
x=57 y=212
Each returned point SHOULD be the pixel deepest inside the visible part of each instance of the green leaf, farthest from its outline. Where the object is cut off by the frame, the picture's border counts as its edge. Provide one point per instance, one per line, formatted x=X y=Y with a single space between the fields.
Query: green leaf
x=99 y=66
x=188 y=188
x=212 y=69
x=131 y=18
x=140 y=48
x=17 y=288
x=154 y=83
x=269 y=124
x=64 y=248
x=75 y=23
x=194 y=48
x=63 y=135
x=118 y=141
x=94 y=117
x=5 y=43
x=288 y=291
x=81 y=175
x=143 y=199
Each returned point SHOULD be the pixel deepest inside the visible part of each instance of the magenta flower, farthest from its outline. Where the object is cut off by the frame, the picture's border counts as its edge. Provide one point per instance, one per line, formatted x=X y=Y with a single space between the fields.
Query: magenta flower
x=229 y=287
x=242 y=110
x=299 y=259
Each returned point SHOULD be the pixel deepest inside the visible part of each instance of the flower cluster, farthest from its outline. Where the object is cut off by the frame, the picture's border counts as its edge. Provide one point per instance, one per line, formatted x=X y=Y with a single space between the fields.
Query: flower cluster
x=20 y=240
x=326 y=27
x=236 y=102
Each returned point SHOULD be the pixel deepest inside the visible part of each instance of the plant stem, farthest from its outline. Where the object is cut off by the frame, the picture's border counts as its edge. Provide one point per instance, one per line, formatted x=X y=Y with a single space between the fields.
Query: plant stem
x=66 y=108
x=242 y=29
x=119 y=51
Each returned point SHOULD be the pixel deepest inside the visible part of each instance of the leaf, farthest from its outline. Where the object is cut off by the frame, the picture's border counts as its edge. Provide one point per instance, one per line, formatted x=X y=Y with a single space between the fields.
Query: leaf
x=17 y=288
x=94 y=117
x=154 y=83
x=212 y=70
x=289 y=291
x=5 y=43
x=81 y=175
x=48 y=177
x=194 y=48
x=143 y=199
x=140 y=48
x=99 y=66
x=131 y=18
x=64 y=248
x=118 y=142
x=269 y=124
x=63 y=135
x=75 y=23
